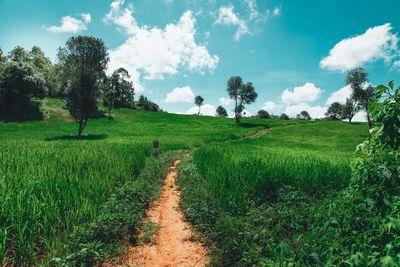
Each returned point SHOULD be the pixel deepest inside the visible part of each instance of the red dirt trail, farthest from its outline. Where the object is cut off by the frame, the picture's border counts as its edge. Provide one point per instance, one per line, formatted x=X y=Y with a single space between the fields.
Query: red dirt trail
x=171 y=246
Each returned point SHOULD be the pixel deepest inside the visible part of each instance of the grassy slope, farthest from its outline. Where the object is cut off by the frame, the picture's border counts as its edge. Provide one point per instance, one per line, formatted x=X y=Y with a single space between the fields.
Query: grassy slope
x=65 y=180
x=51 y=182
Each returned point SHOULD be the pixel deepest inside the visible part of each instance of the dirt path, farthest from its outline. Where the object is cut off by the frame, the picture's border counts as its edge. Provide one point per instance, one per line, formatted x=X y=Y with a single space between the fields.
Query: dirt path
x=171 y=245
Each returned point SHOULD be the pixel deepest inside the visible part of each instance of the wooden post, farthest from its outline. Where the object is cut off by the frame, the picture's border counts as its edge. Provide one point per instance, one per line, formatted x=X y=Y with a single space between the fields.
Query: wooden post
x=155 y=148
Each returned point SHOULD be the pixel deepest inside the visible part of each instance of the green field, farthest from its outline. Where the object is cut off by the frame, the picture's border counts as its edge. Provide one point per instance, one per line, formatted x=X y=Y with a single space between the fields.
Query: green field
x=52 y=182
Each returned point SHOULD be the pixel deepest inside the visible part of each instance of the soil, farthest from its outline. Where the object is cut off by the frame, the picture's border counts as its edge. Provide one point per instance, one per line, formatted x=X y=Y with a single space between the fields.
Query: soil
x=172 y=244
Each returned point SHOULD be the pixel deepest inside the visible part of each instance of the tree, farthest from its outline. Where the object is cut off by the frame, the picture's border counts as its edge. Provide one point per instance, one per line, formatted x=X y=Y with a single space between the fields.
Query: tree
x=43 y=66
x=263 y=114
x=18 y=85
x=304 y=115
x=145 y=104
x=357 y=78
x=284 y=116
x=117 y=91
x=241 y=94
x=199 y=101
x=19 y=54
x=83 y=61
x=335 y=111
x=3 y=58
x=349 y=109
x=221 y=112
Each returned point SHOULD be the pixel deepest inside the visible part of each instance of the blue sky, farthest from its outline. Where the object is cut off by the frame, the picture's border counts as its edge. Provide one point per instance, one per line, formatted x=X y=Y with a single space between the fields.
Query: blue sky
x=296 y=53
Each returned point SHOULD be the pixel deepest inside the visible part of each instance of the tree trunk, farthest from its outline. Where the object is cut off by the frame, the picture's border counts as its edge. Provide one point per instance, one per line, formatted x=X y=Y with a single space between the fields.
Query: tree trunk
x=368 y=117
x=82 y=124
x=198 y=113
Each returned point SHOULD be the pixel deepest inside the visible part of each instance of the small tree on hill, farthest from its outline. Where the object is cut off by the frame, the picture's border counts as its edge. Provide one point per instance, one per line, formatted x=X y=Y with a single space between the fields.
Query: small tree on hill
x=263 y=114
x=357 y=78
x=199 y=101
x=284 y=116
x=349 y=109
x=335 y=111
x=84 y=59
x=241 y=94
x=117 y=91
x=304 y=115
x=221 y=112
x=18 y=85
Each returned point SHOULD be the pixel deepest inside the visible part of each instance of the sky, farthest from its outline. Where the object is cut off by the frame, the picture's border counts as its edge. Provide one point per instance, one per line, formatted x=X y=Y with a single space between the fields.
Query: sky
x=296 y=53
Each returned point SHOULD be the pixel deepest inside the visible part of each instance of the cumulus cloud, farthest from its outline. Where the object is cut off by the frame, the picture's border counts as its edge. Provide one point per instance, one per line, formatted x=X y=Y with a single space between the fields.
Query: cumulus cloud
x=301 y=94
x=206 y=109
x=272 y=107
x=339 y=96
x=377 y=43
x=225 y=101
x=72 y=25
x=180 y=95
x=227 y=16
x=151 y=52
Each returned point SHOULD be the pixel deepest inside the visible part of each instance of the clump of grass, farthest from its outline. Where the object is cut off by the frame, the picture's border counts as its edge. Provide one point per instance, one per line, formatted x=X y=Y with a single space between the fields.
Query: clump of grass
x=149 y=229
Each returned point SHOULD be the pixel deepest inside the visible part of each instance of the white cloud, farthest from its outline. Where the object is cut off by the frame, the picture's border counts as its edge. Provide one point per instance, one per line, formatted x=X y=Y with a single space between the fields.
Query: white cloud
x=339 y=96
x=206 y=109
x=72 y=25
x=315 y=111
x=252 y=6
x=272 y=107
x=277 y=11
x=301 y=94
x=151 y=52
x=227 y=16
x=225 y=101
x=180 y=95
x=376 y=43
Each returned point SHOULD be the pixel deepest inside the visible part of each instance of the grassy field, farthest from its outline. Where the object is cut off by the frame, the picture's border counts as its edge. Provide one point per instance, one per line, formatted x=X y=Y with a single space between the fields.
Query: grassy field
x=51 y=182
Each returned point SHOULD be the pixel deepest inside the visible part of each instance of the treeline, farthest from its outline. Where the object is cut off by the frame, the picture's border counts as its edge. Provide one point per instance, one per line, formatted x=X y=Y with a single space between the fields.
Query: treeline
x=78 y=77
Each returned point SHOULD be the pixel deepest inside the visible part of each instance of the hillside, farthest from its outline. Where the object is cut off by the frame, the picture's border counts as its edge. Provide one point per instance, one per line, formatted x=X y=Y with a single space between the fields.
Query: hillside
x=53 y=182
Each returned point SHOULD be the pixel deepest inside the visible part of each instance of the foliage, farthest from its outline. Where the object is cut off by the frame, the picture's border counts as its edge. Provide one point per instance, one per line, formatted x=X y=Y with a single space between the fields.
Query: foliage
x=349 y=109
x=362 y=93
x=221 y=112
x=83 y=59
x=304 y=115
x=117 y=91
x=263 y=114
x=241 y=93
x=334 y=111
x=18 y=85
x=145 y=104
x=284 y=116
x=199 y=101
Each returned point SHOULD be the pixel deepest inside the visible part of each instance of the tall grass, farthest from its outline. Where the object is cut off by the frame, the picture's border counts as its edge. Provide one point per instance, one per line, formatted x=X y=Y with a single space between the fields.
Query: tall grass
x=46 y=188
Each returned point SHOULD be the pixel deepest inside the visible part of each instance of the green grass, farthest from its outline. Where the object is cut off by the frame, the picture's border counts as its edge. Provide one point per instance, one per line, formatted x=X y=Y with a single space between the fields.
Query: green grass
x=51 y=182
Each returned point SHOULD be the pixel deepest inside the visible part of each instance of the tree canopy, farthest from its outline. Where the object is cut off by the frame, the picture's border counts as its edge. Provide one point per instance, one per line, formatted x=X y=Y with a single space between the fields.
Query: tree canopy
x=221 y=112
x=241 y=94
x=84 y=59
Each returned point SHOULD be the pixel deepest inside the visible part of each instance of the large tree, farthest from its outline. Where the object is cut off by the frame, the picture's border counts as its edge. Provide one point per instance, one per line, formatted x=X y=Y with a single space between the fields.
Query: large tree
x=241 y=94
x=19 y=54
x=18 y=85
x=283 y=116
x=117 y=90
x=334 y=111
x=199 y=101
x=83 y=60
x=362 y=93
x=221 y=112
x=349 y=109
